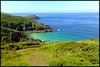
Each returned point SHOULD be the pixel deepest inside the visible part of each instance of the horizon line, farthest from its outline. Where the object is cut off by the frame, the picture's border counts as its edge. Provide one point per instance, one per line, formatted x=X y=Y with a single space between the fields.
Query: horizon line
x=52 y=12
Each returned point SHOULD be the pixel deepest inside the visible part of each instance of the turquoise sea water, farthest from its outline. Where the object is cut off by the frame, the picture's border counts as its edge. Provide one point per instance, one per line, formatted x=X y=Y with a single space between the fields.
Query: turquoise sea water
x=75 y=26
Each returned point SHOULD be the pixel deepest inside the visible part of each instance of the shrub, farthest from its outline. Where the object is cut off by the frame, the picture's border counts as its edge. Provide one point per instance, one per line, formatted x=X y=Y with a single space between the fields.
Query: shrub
x=70 y=61
x=20 y=45
x=92 y=39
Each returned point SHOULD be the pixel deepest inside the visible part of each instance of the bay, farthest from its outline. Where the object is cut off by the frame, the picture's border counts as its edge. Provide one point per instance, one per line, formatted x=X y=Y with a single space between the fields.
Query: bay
x=75 y=26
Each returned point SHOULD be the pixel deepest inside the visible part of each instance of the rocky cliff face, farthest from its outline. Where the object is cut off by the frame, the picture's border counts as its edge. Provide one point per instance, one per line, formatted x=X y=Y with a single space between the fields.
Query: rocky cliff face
x=11 y=36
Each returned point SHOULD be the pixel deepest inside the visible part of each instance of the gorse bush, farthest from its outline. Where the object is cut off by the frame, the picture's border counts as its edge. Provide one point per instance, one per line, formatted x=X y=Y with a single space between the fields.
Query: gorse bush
x=9 y=54
x=92 y=38
x=70 y=61
x=71 y=53
x=21 y=45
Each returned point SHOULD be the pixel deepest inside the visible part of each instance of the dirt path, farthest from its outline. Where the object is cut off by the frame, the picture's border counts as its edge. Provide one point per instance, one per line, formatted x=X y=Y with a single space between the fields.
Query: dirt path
x=38 y=60
x=26 y=49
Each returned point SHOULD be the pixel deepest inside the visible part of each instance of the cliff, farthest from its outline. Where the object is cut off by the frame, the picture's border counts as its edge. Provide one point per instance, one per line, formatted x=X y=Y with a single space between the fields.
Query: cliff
x=21 y=23
x=12 y=36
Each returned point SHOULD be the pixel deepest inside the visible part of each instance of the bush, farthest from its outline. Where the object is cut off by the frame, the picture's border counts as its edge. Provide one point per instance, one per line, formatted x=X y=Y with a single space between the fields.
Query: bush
x=20 y=45
x=9 y=54
x=70 y=61
x=92 y=39
x=82 y=53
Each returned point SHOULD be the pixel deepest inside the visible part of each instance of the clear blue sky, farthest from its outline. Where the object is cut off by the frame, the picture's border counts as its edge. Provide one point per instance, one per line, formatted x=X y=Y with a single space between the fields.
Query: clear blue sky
x=49 y=6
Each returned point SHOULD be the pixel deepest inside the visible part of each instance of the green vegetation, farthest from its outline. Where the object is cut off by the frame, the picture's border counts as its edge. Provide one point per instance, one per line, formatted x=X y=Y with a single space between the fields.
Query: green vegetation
x=21 y=45
x=21 y=23
x=63 y=53
x=12 y=36
x=82 y=53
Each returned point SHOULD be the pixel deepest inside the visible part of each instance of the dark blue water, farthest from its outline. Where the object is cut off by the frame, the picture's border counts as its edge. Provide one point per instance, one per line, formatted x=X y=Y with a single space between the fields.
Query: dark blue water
x=75 y=26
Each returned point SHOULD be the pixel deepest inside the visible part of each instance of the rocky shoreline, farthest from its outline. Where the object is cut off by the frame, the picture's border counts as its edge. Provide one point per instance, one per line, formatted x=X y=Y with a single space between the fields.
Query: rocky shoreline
x=36 y=31
x=13 y=36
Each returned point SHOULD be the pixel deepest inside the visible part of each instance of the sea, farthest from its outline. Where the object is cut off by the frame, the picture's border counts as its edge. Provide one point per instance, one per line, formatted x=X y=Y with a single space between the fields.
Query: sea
x=75 y=26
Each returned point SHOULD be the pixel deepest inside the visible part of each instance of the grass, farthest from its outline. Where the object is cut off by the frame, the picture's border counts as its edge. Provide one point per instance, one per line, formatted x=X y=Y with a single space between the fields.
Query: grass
x=63 y=53
x=14 y=61
x=20 y=23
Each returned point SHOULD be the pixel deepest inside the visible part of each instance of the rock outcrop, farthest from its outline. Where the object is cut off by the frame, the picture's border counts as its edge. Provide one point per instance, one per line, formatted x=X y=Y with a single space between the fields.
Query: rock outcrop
x=33 y=17
x=12 y=36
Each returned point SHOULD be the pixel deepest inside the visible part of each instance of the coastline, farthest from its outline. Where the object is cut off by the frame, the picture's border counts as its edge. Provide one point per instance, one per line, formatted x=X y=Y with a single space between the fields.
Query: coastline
x=36 y=31
x=15 y=31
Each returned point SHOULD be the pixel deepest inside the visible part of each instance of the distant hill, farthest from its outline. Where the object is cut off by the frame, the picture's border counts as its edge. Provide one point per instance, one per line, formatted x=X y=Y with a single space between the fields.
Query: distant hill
x=33 y=17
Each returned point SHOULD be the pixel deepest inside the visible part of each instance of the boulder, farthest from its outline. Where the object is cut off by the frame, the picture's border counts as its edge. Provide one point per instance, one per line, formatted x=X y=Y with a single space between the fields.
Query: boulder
x=38 y=40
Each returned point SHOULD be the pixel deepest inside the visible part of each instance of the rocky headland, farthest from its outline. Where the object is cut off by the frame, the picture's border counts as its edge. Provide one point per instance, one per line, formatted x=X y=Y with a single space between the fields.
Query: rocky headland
x=15 y=28
x=33 y=17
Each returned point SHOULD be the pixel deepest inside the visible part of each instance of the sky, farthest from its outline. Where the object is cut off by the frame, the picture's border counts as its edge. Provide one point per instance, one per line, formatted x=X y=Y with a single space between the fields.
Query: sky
x=49 y=6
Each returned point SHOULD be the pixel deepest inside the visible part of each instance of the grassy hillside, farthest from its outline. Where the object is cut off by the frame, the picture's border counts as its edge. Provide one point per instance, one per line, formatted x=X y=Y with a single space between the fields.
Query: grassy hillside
x=62 y=53
x=20 y=23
